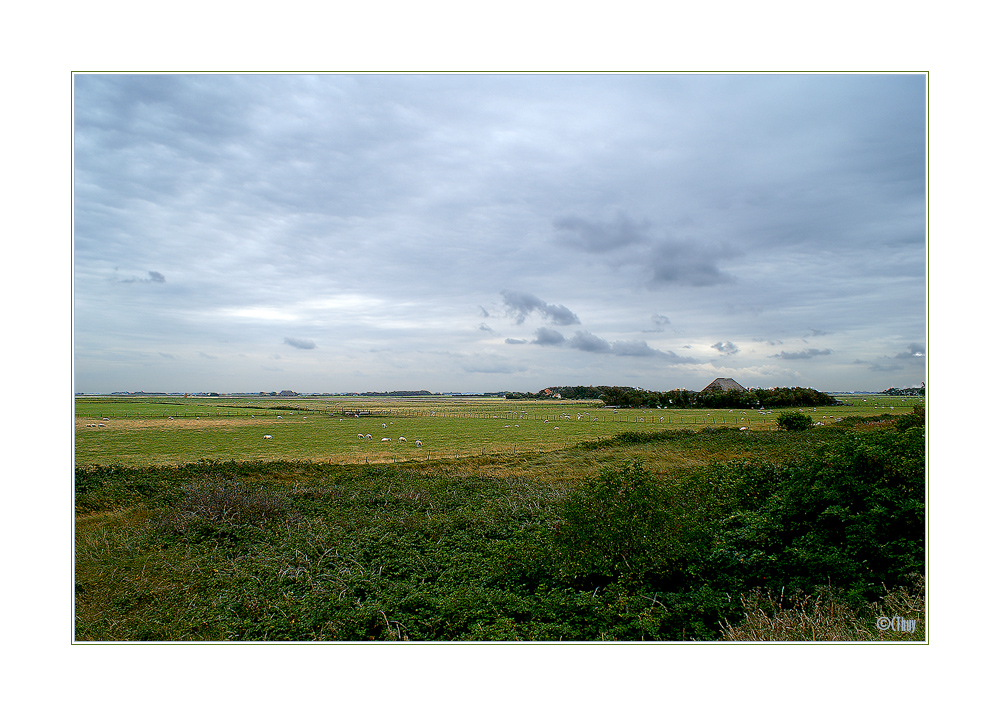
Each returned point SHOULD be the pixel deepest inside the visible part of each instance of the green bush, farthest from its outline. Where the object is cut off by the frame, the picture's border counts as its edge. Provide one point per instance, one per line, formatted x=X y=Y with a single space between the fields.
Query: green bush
x=617 y=527
x=789 y=420
x=851 y=517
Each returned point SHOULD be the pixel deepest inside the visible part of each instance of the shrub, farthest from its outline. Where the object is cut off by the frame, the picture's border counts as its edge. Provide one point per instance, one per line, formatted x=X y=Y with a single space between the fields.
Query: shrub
x=617 y=527
x=852 y=517
x=916 y=419
x=224 y=504
x=789 y=420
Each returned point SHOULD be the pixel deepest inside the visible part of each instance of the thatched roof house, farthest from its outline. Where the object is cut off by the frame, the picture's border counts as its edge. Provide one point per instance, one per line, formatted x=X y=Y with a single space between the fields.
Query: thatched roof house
x=724 y=384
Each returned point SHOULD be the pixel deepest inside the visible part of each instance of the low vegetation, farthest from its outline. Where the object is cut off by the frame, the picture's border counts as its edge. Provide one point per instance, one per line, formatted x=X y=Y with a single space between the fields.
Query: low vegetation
x=644 y=535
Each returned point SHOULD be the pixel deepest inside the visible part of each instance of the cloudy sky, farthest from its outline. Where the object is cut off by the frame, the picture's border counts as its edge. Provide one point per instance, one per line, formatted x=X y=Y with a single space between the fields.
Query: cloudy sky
x=464 y=232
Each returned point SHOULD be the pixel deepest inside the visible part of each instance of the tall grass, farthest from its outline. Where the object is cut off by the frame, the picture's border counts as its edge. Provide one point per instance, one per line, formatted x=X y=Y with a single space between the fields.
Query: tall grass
x=828 y=616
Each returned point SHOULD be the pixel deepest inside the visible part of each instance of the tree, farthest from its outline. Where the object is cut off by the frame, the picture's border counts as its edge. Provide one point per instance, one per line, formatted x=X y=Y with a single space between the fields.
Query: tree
x=789 y=420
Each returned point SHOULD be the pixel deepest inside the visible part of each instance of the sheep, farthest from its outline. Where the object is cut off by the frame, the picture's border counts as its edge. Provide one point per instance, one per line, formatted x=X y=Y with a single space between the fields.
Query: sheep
x=360 y=436
x=267 y=437
x=383 y=425
x=101 y=425
x=418 y=443
x=368 y=437
x=386 y=440
x=402 y=439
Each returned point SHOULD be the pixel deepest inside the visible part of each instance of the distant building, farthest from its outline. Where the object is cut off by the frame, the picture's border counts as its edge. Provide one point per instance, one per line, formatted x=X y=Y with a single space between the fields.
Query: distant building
x=725 y=385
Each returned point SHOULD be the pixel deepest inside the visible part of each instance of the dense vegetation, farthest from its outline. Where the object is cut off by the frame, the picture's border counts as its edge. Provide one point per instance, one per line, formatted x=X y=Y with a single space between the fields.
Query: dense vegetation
x=623 y=397
x=567 y=392
x=905 y=391
x=297 y=551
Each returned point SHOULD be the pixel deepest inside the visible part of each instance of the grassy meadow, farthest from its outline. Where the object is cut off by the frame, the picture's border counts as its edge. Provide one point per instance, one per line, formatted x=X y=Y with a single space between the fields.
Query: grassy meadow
x=515 y=520
x=170 y=431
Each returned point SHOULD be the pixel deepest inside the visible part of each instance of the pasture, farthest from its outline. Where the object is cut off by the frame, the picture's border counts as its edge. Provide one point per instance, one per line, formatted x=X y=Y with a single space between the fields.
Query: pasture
x=141 y=431
x=513 y=520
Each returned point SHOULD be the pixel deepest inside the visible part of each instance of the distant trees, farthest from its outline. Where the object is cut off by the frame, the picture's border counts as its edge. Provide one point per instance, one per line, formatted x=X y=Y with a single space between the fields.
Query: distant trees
x=627 y=397
x=904 y=391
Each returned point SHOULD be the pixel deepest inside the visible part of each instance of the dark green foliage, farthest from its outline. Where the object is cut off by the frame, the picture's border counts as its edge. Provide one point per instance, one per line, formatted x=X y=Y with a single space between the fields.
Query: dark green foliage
x=617 y=526
x=790 y=421
x=916 y=419
x=851 y=517
x=288 y=551
x=758 y=398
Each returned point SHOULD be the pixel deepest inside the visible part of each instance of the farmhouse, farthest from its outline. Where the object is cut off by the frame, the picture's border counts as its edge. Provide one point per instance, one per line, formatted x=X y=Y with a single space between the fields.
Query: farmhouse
x=725 y=385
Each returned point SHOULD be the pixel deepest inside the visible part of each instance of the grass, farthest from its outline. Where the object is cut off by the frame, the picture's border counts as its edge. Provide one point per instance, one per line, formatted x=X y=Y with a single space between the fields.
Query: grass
x=197 y=528
x=438 y=549
x=828 y=616
x=171 y=431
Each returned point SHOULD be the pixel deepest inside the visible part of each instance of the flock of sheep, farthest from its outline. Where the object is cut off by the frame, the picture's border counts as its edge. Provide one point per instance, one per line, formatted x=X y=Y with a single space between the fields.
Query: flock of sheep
x=362 y=436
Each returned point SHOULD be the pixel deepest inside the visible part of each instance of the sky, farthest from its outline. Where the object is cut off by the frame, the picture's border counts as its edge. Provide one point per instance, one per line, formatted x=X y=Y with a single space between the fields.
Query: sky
x=486 y=232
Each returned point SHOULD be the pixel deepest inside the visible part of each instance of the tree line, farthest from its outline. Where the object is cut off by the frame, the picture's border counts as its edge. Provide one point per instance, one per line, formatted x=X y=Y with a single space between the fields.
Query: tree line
x=627 y=397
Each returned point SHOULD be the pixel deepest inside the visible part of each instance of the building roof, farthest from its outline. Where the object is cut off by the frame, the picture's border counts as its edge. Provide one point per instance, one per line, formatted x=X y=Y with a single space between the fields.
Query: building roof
x=724 y=384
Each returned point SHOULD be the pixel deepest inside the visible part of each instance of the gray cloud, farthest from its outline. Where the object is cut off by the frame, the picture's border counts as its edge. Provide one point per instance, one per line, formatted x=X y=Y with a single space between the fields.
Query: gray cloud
x=586 y=341
x=802 y=355
x=520 y=305
x=880 y=367
x=153 y=277
x=300 y=343
x=675 y=262
x=516 y=341
x=598 y=237
x=728 y=348
x=914 y=350
x=548 y=337
x=659 y=321
x=589 y=343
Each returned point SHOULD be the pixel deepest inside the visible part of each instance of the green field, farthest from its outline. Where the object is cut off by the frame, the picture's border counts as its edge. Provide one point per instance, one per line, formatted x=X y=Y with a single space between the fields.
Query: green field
x=513 y=521
x=172 y=431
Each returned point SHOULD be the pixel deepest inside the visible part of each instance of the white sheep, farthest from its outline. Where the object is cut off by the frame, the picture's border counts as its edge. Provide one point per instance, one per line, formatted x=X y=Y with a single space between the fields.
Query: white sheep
x=386 y=440
x=267 y=437
x=368 y=437
x=360 y=436
x=402 y=439
x=418 y=443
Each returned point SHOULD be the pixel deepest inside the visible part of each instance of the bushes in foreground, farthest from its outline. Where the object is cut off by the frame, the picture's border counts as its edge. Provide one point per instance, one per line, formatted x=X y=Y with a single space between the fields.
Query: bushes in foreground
x=282 y=552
